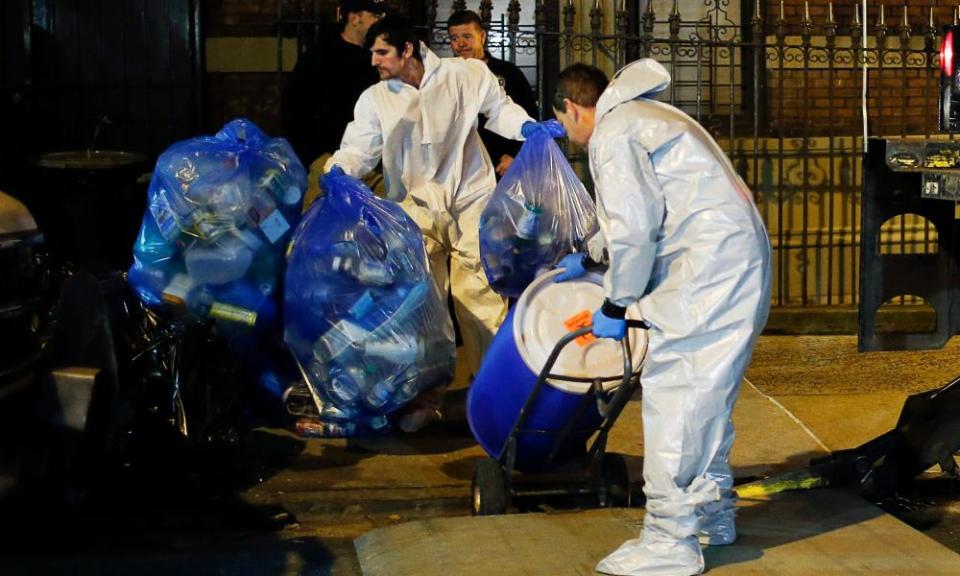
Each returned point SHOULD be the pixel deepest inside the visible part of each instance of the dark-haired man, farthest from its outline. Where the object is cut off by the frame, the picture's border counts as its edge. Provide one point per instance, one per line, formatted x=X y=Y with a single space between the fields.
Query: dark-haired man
x=420 y=120
x=468 y=39
x=326 y=82
x=683 y=240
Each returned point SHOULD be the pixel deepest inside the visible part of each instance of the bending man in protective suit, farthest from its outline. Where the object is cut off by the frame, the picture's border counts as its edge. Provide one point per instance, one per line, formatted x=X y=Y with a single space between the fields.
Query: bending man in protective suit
x=420 y=120
x=682 y=237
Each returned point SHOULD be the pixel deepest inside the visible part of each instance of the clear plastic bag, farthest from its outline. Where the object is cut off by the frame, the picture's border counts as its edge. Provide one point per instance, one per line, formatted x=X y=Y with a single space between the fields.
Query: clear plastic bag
x=539 y=212
x=363 y=316
x=220 y=210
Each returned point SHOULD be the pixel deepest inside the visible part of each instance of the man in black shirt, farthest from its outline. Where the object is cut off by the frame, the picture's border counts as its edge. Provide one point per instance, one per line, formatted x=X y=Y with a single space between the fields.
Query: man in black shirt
x=467 y=39
x=326 y=82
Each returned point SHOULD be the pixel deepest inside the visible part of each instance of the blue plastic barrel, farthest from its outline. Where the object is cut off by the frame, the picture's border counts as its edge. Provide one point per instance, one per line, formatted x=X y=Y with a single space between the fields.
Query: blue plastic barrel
x=514 y=359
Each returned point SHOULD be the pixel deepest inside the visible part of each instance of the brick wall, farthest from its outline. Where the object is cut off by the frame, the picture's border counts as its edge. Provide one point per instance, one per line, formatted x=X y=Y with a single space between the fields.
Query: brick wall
x=819 y=102
x=798 y=102
x=843 y=10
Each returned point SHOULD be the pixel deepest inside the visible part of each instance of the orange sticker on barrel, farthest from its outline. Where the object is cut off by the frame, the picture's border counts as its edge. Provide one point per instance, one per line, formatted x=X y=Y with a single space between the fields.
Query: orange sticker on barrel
x=580 y=320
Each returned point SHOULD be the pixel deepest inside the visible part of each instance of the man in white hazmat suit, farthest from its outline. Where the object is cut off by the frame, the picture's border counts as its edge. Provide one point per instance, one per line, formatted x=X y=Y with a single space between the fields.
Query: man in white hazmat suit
x=681 y=236
x=421 y=121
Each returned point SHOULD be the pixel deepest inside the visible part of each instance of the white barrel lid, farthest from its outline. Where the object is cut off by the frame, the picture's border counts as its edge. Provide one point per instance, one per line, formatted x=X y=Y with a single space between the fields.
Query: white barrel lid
x=539 y=323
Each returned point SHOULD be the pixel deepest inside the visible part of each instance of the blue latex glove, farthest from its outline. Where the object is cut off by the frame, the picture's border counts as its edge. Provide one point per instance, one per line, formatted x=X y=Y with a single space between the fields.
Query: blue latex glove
x=573 y=267
x=607 y=327
x=551 y=128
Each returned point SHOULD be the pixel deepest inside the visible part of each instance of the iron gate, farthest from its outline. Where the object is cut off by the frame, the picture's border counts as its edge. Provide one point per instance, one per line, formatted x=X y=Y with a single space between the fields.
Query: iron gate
x=782 y=92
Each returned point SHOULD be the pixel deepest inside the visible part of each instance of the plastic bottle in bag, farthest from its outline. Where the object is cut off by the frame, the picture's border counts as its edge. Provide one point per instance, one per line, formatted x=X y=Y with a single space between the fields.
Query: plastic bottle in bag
x=227 y=200
x=397 y=349
x=529 y=222
x=281 y=186
x=332 y=296
x=263 y=214
x=368 y=243
x=167 y=219
x=342 y=336
x=348 y=260
x=312 y=427
x=203 y=224
x=300 y=402
x=400 y=257
x=526 y=242
x=497 y=249
x=177 y=291
x=362 y=306
x=408 y=385
x=499 y=266
x=219 y=262
x=341 y=384
x=379 y=396
x=234 y=314
x=187 y=167
x=242 y=303
x=400 y=304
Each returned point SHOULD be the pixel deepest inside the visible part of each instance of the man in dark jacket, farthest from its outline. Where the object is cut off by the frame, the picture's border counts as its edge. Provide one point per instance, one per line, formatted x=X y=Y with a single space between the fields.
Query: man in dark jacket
x=327 y=81
x=468 y=39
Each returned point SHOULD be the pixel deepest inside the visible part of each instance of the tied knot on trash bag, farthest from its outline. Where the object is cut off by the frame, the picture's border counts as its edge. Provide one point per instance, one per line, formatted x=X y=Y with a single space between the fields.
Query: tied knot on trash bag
x=538 y=213
x=544 y=129
x=342 y=188
x=219 y=212
x=363 y=317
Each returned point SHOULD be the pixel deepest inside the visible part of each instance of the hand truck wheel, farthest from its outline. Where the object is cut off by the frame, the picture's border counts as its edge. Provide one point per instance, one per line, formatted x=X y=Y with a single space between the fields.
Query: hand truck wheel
x=489 y=490
x=616 y=480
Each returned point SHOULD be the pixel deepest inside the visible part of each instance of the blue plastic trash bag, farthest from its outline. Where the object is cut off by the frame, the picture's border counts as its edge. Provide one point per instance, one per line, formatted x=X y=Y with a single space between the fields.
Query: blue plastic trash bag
x=284 y=389
x=363 y=316
x=220 y=210
x=539 y=212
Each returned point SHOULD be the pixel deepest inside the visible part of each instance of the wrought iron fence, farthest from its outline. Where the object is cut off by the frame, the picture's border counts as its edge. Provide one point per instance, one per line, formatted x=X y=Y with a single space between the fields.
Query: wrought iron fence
x=783 y=97
x=784 y=100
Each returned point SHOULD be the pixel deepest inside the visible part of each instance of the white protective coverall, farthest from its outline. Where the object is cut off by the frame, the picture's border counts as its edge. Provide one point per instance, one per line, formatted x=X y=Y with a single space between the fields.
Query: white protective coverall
x=435 y=165
x=685 y=239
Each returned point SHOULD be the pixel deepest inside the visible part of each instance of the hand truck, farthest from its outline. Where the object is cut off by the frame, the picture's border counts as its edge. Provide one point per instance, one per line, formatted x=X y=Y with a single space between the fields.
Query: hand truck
x=601 y=473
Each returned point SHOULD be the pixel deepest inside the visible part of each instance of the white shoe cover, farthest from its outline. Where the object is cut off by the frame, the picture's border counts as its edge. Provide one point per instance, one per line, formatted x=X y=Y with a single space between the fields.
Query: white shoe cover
x=653 y=554
x=718 y=529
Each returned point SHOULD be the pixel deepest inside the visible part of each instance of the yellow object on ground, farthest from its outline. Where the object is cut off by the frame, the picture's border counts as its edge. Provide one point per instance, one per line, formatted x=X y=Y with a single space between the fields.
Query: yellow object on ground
x=799 y=480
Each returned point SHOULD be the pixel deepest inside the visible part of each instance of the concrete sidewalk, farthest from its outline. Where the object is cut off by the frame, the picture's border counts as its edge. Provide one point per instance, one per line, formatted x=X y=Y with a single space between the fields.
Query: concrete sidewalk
x=811 y=395
x=792 y=534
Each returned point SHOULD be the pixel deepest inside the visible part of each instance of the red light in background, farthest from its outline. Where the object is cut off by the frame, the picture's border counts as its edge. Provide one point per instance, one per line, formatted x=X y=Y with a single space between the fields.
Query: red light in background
x=946 y=54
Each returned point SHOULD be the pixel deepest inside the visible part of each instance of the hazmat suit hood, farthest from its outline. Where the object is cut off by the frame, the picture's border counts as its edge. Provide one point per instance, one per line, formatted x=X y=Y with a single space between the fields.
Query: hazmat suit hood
x=644 y=78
